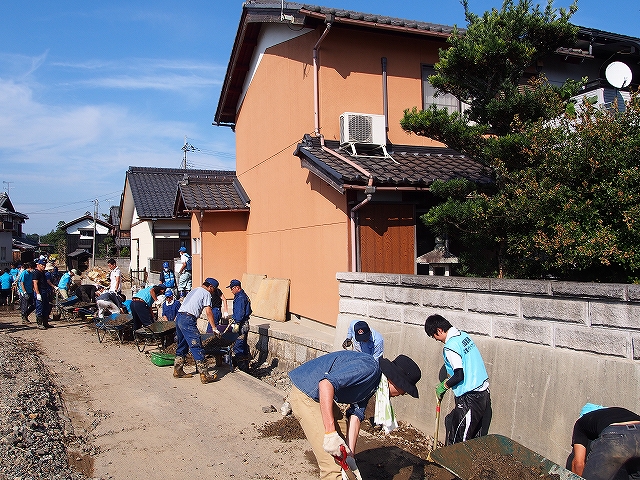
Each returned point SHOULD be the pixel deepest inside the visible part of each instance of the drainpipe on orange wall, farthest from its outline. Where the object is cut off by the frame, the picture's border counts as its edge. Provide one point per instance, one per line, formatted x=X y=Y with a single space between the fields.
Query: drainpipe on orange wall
x=316 y=67
x=200 y=218
x=369 y=190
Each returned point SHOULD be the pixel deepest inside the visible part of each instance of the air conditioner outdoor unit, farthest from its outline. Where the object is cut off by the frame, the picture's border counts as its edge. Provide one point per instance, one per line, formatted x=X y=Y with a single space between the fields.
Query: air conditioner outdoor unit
x=362 y=129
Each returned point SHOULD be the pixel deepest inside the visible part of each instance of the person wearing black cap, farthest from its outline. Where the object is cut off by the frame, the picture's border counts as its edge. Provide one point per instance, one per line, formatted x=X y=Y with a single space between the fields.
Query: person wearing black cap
x=364 y=339
x=241 y=314
x=345 y=377
x=188 y=337
x=468 y=379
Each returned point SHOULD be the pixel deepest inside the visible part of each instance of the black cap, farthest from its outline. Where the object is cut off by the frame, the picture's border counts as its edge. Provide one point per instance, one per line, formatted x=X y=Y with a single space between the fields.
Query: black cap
x=362 y=331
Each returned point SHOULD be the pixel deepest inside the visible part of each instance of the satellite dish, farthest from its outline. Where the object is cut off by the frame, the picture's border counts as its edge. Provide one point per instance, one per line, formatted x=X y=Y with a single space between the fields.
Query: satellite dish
x=618 y=74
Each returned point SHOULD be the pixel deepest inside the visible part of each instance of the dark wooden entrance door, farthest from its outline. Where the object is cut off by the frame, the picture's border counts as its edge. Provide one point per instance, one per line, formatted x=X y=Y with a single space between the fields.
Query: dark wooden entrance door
x=387 y=238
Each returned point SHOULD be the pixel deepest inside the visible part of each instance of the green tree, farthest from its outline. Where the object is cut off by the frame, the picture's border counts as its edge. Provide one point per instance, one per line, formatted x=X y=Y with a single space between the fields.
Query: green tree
x=565 y=199
x=57 y=238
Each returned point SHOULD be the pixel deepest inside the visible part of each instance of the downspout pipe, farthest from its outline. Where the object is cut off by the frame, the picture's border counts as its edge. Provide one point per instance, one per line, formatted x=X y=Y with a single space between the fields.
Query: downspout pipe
x=316 y=68
x=200 y=219
x=385 y=100
x=369 y=191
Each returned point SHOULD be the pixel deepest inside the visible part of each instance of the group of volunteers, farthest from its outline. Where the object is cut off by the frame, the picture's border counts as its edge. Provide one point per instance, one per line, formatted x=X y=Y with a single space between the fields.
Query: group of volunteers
x=606 y=441
x=35 y=284
x=184 y=305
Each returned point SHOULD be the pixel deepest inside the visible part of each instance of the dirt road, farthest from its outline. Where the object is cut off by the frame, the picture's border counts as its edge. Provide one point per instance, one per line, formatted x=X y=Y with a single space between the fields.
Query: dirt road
x=143 y=423
x=136 y=421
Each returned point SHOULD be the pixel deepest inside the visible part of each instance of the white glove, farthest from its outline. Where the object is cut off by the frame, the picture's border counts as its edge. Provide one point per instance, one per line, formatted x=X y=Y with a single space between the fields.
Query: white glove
x=38 y=297
x=225 y=315
x=332 y=443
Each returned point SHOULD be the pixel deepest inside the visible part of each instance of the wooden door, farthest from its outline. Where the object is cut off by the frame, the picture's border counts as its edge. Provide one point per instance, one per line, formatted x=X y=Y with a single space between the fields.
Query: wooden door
x=387 y=238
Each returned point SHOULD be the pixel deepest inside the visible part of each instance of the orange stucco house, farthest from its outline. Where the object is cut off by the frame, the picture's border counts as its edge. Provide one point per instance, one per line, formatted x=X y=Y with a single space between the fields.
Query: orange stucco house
x=332 y=192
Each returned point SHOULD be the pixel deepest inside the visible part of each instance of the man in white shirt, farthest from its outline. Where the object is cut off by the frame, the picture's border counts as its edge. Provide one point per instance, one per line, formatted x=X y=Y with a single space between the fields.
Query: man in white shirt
x=115 y=277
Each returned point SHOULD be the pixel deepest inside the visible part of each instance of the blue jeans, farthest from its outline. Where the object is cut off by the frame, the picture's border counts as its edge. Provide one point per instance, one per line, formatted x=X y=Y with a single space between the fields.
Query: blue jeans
x=188 y=337
x=241 y=347
x=43 y=307
x=616 y=445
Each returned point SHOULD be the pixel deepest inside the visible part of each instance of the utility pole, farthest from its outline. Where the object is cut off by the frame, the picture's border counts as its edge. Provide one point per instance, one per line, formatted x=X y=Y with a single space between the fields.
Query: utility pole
x=95 y=215
x=187 y=147
x=8 y=184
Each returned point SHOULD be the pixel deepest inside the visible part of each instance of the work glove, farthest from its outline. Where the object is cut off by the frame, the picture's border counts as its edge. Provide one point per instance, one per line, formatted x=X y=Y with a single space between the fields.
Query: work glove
x=39 y=297
x=216 y=332
x=332 y=442
x=225 y=315
x=347 y=343
x=441 y=390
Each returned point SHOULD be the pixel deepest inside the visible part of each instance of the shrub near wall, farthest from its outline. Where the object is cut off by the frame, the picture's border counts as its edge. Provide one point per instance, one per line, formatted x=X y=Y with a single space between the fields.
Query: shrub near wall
x=549 y=346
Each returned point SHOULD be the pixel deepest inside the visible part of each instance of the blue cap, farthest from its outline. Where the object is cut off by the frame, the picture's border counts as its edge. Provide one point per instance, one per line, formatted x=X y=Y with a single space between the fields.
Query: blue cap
x=42 y=261
x=165 y=265
x=234 y=283
x=168 y=293
x=590 y=407
x=212 y=281
x=182 y=249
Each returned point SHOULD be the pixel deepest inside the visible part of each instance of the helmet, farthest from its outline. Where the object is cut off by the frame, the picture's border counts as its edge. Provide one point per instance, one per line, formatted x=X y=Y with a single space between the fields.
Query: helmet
x=165 y=265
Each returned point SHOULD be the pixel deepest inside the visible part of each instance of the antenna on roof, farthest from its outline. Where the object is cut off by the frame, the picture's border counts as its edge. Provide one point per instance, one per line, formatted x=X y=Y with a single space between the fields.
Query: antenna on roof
x=187 y=147
x=284 y=17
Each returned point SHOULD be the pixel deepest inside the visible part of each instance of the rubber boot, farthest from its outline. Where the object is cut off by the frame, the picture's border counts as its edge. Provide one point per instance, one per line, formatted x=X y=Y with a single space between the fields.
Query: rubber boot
x=219 y=361
x=205 y=376
x=178 y=368
x=40 y=323
x=46 y=323
x=25 y=320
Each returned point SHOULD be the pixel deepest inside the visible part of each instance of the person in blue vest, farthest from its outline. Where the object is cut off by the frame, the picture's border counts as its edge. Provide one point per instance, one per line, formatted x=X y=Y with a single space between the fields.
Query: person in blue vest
x=241 y=314
x=184 y=275
x=141 y=305
x=5 y=287
x=168 y=278
x=468 y=379
x=170 y=306
x=65 y=283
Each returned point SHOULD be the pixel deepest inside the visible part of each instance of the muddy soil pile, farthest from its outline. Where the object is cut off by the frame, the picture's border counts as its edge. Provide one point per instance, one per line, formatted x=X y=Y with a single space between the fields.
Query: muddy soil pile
x=34 y=433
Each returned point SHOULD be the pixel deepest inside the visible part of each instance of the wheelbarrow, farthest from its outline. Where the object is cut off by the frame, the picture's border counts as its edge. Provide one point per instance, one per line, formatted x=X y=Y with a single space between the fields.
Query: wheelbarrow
x=158 y=333
x=221 y=345
x=115 y=323
x=64 y=308
x=497 y=456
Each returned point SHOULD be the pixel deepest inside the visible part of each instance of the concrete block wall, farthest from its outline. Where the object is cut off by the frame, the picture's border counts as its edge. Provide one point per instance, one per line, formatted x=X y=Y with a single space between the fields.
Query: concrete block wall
x=549 y=346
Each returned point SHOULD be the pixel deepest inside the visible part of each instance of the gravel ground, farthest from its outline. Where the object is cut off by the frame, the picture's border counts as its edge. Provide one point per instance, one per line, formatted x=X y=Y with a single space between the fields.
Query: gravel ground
x=36 y=435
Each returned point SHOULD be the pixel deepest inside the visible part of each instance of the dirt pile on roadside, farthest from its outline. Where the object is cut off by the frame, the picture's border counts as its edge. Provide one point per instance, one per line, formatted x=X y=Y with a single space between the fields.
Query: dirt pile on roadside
x=33 y=431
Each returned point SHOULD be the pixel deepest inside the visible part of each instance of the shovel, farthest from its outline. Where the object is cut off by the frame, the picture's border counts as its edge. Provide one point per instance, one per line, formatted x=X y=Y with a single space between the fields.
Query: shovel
x=435 y=436
x=347 y=463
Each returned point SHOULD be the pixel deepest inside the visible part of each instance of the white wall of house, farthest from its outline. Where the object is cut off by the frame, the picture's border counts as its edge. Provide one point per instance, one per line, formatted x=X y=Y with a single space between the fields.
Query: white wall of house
x=86 y=224
x=141 y=245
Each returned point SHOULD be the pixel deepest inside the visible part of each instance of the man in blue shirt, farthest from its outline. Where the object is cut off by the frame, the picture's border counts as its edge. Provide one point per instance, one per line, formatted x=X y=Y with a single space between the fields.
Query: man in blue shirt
x=344 y=377
x=468 y=379
x=364 y=339
x=241 y=314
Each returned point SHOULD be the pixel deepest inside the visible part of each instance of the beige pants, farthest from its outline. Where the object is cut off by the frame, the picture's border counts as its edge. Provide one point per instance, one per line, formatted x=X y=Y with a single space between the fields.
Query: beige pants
x=307 y=411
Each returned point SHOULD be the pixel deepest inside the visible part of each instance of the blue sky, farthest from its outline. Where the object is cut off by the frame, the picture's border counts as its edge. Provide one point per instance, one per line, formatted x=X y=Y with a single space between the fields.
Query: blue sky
x=89 y=88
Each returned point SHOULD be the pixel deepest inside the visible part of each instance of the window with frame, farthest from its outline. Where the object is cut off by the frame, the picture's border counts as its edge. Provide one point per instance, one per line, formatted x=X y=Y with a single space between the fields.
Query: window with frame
x=431 y=95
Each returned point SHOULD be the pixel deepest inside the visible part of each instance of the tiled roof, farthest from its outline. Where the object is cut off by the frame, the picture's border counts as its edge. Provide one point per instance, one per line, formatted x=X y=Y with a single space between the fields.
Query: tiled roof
x=154 y=189
x=86 y=217
x=6 y=207
x=222 y=192
x=406 y=166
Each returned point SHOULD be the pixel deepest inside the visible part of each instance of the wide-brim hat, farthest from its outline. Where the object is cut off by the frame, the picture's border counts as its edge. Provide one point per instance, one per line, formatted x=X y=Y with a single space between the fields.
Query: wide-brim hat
x=403 y=372
x=49 y=267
